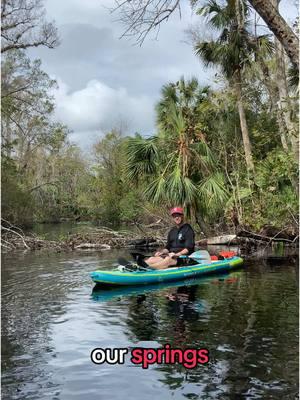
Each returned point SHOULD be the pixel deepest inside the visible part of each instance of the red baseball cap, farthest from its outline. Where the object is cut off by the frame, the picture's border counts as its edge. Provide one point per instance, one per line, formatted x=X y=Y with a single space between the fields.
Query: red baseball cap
x=176 y=210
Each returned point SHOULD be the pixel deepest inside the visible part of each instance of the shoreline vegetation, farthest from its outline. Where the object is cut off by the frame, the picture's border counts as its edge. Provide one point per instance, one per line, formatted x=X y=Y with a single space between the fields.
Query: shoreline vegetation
x=150 y=238
x=226 y=152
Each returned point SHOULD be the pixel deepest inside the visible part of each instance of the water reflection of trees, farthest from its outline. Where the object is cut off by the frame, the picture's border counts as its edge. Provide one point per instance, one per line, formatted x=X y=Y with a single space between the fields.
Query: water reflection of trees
x=147 y=312
x=34 y=292
x=142 y=318
x=248 y=321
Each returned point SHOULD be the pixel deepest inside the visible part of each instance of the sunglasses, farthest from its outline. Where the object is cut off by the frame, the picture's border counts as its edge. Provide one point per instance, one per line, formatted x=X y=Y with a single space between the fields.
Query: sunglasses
x=177 y=215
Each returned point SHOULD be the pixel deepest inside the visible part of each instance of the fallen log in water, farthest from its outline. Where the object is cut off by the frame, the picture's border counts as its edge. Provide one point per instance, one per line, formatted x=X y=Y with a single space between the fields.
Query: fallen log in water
x=262 y=238
x=248 y=237
x=103 y=238
x=100 y=246
x=99 y=239
x=218 y=240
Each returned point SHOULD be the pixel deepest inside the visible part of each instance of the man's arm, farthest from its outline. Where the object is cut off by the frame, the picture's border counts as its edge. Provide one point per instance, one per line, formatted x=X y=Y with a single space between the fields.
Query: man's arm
x=162 y=252
x=179 y=253
x=182 y=252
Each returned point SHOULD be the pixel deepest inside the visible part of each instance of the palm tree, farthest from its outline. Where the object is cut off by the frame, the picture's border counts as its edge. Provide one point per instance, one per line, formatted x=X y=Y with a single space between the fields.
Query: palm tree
x=233 y=51
x=177 y=164
x=185 y=96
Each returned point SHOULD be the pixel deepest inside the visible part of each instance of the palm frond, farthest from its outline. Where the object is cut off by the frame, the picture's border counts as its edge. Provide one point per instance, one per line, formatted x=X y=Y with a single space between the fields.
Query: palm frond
x=265 y=45
x=156 y=190
x=191 y=191
x=216 y=14
x=213 y=191
x=141 y=157
x=293 y=78
x=235 y=46
x=179 y=189
x=176 y=118
x=209 y=52
x=204 y=158
x=168 y=92
x=240 y=194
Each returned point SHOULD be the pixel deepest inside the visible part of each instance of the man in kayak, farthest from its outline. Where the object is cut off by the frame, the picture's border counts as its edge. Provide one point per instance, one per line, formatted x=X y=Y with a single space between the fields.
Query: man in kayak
x=181 y=241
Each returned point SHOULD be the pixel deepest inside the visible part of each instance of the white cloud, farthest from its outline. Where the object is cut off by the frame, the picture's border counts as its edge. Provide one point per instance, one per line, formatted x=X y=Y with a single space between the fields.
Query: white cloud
x=105 y=81
x=91 y=49
x=97 y=108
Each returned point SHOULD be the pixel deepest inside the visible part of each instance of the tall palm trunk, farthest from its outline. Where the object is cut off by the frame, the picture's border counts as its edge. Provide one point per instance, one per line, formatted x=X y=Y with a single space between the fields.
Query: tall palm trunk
x=238 y=88
x=243 y=121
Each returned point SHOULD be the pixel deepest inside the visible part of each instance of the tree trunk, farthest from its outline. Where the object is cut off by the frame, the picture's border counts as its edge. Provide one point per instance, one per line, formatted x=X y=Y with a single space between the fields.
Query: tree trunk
x=281 y=127
x=200 y=222
x=272 y=89
x=284 y=104
x=274 y=93
x=279 y=27
x=243 y=122
x=6 y=137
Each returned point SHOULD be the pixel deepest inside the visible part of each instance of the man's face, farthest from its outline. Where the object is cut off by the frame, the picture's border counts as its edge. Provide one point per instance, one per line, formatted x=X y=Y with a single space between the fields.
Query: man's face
x=178 y=218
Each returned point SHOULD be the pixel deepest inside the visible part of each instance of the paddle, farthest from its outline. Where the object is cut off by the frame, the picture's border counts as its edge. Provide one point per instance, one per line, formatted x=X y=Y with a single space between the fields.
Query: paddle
x=126 y=264
x=136 y=255
x=123 y=261
x=129 y=266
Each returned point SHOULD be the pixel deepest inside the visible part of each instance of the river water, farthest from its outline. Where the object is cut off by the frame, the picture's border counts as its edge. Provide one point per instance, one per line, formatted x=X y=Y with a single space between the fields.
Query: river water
x=52 y=320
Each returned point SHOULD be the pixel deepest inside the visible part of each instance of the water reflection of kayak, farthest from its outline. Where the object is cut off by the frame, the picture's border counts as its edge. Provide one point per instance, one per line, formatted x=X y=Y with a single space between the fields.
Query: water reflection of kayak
x=117 y=278
x=106 y=293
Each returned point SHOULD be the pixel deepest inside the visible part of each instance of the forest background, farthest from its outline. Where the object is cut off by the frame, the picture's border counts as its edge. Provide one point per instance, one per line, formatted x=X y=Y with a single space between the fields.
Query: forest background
x=228 y=152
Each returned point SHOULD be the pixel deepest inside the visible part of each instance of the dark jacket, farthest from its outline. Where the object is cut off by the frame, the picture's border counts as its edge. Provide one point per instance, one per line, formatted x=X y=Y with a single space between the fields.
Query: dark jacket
x=181 y=238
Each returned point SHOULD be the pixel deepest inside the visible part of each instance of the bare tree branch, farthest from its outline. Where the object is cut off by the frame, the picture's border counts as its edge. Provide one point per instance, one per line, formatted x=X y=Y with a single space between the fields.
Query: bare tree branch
x=23 y=26
x=143 y=16
x=17 y=234
x=44 y=184
x=19 y=89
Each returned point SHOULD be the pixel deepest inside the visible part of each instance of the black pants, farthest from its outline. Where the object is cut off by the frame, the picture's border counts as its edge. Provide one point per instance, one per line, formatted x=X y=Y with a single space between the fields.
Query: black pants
x=181 y=262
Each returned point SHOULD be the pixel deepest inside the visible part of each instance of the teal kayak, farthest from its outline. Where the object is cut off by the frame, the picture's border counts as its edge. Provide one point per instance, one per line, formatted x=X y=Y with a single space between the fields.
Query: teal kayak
x=120 y=278
x=108 y=293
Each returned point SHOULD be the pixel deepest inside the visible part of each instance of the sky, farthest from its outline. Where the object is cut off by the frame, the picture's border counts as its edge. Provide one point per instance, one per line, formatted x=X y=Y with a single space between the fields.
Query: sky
x=105 y=82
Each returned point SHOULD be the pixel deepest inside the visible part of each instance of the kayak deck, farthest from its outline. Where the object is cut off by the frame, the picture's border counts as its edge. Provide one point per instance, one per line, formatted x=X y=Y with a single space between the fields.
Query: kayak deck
x=118 y=278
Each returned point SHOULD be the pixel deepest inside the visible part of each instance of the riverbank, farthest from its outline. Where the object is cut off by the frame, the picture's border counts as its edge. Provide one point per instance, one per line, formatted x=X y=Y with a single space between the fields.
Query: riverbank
x=247 y=244
x=91 y=238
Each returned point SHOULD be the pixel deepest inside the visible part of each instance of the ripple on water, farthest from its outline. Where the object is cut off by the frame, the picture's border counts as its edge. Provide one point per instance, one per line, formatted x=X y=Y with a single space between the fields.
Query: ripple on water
x=51 y=322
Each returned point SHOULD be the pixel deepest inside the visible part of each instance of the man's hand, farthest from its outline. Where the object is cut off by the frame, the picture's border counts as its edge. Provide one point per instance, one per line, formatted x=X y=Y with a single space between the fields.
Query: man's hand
x=164 y=252
x=173 y=255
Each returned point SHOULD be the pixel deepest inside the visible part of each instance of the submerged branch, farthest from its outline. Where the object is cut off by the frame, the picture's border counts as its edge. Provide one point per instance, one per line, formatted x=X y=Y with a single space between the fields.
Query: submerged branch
x=101 y=238
x=263 y=238
x=17 y=234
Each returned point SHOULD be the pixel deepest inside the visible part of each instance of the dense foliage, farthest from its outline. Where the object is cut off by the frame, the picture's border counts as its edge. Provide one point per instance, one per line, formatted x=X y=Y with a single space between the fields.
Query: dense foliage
x=228 y=154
